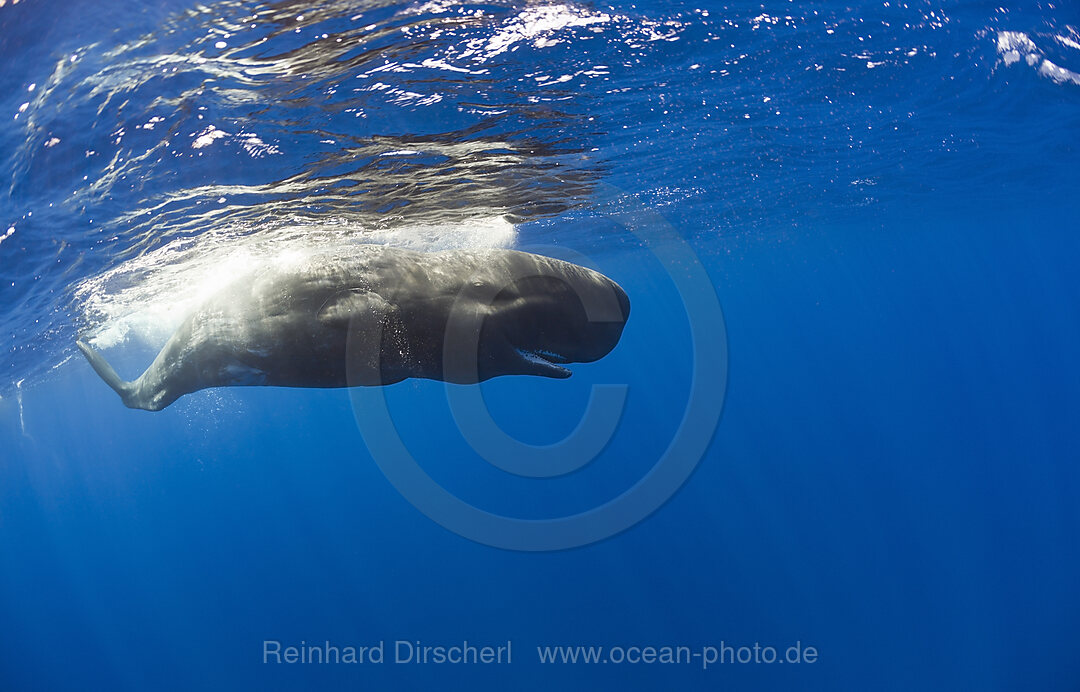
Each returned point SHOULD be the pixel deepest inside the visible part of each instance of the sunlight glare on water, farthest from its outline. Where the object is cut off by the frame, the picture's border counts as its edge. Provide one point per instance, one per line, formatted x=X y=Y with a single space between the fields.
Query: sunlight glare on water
x=146 y=298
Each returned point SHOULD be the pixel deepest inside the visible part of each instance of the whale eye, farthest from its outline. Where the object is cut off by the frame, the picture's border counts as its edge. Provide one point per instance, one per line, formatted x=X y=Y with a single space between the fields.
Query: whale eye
x=478 y=284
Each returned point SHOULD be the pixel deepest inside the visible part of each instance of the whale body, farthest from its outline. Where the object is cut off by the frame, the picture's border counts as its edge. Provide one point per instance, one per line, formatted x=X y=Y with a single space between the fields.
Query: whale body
x=373 y=315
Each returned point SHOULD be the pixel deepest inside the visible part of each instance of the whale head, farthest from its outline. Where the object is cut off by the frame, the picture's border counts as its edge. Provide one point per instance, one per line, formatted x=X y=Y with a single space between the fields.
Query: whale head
x=540 y=314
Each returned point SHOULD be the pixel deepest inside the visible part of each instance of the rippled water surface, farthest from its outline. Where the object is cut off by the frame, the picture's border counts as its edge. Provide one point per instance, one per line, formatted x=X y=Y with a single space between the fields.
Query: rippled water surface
x=148 y=144
x=883 y=195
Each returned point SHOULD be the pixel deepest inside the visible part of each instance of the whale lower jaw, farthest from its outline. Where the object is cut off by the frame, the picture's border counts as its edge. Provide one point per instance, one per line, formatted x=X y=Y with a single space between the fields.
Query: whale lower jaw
x=546 y=362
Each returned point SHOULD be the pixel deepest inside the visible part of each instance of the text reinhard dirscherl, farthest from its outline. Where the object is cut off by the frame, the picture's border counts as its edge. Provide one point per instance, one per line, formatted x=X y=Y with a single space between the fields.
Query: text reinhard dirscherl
x=400 y=651
x=403 y=651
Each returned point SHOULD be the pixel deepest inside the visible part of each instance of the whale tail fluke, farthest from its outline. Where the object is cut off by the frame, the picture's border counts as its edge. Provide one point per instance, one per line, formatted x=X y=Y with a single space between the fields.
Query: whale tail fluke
x=101 y=366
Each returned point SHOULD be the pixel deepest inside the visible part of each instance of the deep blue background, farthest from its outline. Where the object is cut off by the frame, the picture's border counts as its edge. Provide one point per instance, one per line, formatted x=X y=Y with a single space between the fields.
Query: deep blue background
x=894 y=480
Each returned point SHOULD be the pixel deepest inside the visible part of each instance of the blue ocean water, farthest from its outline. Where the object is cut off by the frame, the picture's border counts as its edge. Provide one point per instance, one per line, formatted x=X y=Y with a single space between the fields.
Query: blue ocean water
x=881 y=196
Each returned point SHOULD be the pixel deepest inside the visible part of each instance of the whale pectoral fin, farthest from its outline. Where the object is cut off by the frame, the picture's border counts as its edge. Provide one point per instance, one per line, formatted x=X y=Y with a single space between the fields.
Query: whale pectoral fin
x=344 y=307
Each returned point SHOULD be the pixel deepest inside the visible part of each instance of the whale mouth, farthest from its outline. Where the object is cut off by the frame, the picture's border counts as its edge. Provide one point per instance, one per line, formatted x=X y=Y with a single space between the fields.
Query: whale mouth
x=549 y=362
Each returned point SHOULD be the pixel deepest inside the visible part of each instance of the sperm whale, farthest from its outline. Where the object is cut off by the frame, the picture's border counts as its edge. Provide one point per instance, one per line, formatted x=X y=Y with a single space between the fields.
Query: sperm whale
x=375 y=315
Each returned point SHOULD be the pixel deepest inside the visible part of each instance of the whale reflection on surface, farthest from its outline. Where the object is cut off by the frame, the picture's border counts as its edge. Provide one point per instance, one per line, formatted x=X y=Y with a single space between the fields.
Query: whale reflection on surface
x=202 y=140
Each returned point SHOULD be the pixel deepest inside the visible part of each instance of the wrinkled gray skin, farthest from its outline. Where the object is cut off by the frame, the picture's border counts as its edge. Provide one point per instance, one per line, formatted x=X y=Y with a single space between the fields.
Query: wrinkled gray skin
x=374 y=315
